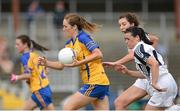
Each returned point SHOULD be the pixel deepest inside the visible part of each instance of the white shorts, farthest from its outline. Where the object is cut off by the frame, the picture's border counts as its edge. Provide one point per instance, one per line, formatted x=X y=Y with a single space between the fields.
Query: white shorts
x=159 y=99
x=141 y=83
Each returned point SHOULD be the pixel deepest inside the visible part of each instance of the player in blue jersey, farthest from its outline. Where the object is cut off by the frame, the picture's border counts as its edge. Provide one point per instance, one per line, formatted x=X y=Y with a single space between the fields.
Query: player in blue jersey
x=34 y=74
x=95 y=88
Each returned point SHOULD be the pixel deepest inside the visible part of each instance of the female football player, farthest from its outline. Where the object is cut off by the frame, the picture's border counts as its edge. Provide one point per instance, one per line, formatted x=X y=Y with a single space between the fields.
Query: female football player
x=34 y=74
x=159 y=84
x=95 y=87
x=134 y=92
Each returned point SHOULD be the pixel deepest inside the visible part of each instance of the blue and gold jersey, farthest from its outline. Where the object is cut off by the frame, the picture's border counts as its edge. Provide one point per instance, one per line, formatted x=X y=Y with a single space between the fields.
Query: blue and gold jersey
x=92 y=72
x=29 y=62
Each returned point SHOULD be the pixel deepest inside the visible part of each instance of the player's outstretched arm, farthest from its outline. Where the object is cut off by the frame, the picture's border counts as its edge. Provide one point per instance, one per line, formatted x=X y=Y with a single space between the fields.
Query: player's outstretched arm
x=136 y=74
x=15 y=77
x=125 y=59
x=130 y=55
x=51 y=64
x=123 y=69
x=54 y=64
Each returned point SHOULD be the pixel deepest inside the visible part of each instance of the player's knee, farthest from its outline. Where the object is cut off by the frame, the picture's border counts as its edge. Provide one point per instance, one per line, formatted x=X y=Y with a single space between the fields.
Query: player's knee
x=120 y=103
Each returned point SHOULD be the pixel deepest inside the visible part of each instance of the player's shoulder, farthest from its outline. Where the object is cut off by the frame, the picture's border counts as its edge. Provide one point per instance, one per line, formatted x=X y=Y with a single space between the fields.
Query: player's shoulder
x=83 y=36
x=142 y=47
x=24 y=58
x=147 y=47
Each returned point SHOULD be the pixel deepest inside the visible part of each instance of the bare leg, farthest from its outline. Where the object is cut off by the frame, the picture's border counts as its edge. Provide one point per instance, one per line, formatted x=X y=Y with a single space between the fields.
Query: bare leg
x=76 y=101
x=130 y=95
x=101 y=104
x=30 y=105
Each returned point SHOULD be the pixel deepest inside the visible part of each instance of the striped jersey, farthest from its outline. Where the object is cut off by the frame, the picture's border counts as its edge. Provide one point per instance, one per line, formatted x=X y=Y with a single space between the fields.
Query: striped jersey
x=142 y=52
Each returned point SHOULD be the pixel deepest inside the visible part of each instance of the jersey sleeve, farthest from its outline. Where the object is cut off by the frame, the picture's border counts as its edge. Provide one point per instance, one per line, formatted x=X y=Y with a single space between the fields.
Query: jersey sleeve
x=88 y=42
x=141 y=54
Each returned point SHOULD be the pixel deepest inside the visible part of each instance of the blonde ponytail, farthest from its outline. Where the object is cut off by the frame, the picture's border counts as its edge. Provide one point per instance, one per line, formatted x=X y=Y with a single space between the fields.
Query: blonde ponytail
x=81 y=23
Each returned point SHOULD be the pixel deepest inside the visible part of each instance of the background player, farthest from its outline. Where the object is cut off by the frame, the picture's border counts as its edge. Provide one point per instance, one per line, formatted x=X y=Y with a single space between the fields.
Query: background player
x=34 y=74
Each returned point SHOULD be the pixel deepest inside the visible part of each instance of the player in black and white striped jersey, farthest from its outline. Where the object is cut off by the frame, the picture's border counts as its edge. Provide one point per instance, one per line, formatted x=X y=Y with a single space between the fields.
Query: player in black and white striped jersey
x=159 y=84
x=137 y=90
x=142 y=52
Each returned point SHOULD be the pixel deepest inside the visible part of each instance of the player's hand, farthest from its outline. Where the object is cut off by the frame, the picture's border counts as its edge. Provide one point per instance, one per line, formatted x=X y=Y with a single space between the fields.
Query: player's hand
x=42 y=61
x=155 y=86
x=14 y=78
x=121 y=68
x=74 y=64
x=109 y=64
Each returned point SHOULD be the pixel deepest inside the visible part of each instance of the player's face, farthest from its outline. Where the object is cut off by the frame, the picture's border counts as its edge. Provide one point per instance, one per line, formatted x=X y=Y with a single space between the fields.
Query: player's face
x=124 y=24
x=67 y=29
x=20 y=46
x=130 y=40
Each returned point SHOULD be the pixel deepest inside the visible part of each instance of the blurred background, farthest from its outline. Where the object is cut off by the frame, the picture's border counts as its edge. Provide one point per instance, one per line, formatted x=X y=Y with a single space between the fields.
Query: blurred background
x=42 y=21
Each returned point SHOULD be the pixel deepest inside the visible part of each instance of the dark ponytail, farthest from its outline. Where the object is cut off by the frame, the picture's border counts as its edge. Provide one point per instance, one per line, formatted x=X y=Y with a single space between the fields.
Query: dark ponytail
x=31 y=43
x=144 y=37
x=38 y=47
x=140 y=32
